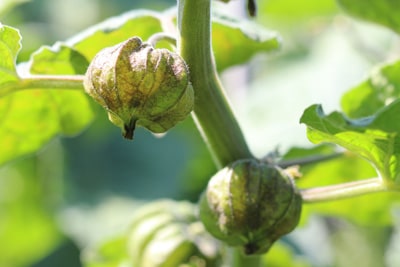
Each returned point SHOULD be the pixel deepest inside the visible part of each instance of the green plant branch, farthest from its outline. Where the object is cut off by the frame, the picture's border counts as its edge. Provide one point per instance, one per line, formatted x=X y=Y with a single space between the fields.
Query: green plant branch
x=238 y=260
x=161 y=36
x=344 y=190
x=212 y=113
x=308 y=160
x=74 y=82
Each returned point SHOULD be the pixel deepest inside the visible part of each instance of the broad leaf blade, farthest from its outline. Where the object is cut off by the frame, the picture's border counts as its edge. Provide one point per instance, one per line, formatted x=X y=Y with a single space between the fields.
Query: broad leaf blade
x=58 y=59
x=72 y=107
x=374 y=138
x=384 y=12
x=30 y=118
x=230 y=35
x=26 y=123
x=141 y=23
x=10 y=44
x=381 y=88
x=237 y=41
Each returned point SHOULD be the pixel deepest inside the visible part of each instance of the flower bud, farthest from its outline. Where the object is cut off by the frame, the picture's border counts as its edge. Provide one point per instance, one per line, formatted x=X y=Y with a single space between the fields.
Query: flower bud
x=140 y=85
x=250 y=204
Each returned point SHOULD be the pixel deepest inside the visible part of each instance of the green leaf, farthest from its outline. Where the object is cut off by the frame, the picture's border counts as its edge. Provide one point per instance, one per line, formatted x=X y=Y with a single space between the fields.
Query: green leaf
x=381 y=88
x=384 y=12
x=141 y=23
x=71 y=107
x=236 y=41
x=10 y=44
x=230 y=35
x=58 y=59
x=30 y=118
x=375 y=138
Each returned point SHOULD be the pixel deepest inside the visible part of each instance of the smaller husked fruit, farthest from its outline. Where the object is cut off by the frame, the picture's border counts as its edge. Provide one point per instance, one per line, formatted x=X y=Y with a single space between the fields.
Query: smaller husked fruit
x=250 y=204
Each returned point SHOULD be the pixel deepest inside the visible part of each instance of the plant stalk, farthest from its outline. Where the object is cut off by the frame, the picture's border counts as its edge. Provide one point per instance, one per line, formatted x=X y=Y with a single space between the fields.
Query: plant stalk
x=74 y=82
x=212 y=113
x=240 y=260
x=344 y=190
x=308 y=160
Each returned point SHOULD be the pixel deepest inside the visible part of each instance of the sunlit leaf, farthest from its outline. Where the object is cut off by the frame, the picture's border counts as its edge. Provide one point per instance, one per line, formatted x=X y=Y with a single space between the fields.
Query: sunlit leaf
x=384 y=12
x=58 y=59
x=236 y=41
x=10 y=44
x=141 y=23
x=380 y=89
x=230 y=35
x=375 y=138
x=30 y=118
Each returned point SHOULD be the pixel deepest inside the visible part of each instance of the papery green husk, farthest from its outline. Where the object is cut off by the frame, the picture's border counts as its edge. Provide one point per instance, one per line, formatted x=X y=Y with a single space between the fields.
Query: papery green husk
x=250 y=204
x=140 y=86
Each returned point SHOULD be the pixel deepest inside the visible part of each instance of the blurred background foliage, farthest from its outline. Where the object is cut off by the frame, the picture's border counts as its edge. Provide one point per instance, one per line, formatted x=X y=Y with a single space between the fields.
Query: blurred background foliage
x=77 y=191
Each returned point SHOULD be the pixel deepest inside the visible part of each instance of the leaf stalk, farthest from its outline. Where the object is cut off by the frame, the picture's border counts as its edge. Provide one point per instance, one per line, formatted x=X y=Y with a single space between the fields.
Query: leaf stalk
x=344 y=190
x=69 y=82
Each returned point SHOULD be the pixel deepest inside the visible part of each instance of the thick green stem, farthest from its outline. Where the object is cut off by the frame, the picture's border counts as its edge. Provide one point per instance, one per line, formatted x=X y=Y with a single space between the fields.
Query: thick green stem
x=43 y=82
x=240 y=260
x=344 y=190
x=212 y=113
